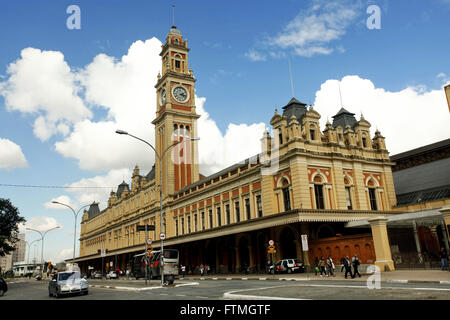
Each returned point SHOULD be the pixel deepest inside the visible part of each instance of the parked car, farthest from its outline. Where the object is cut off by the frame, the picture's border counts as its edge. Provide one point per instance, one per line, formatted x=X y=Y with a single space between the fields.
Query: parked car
x=3 y=287
x=287 y=266
x=96 y=275
x=67 y=282
x=112 y=275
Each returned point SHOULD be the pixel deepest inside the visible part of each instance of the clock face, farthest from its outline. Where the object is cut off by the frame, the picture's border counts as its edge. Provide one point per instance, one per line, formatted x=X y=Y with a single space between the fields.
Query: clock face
x=180 y=94
x=163 y=96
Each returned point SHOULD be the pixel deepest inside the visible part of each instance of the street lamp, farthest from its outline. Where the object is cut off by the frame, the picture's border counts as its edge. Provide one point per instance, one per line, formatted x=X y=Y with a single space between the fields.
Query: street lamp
x=29 y=248
x=42 y=250
x=160 y=158
x=75 y=215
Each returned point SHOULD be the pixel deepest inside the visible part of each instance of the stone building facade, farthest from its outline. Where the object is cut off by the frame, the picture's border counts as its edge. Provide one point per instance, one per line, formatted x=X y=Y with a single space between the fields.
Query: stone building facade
x=305 y=181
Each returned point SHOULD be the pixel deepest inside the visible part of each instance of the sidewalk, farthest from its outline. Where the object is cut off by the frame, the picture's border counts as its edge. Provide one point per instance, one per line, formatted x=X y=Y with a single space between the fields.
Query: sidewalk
x=400 y=276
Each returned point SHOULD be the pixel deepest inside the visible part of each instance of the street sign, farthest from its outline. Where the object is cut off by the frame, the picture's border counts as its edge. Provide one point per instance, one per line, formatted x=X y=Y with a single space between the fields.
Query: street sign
x=162 y=236
x=103 y=252
x=305 y=242
x=271 y=249
x=271 y=242
x=142 y=228
x=149 y=241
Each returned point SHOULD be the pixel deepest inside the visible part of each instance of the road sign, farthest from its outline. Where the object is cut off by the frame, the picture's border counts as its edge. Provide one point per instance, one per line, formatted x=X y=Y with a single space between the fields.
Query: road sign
x=149 y=241
x=305 y=242
x=271 y=249
x=271 y=242
x=162 y=236
x=103 y=252
x=142 y=228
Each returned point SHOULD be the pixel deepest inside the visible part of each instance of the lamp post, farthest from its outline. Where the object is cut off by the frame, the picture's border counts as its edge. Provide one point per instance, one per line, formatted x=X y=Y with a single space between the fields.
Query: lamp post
x=160 y=158
x=29 y=249
x=42 y=249
x=75 y=216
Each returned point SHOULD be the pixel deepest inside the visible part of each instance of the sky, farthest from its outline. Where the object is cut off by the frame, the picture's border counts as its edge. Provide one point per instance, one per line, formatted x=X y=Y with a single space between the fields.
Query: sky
x=70 y=78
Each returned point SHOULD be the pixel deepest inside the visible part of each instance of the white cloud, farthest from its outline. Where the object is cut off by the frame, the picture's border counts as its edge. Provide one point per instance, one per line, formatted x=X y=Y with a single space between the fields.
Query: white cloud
x=97 y=188
x=254 y=55
x=41 y=83
x=217 y=151
x=11 y=155
x=313 y=31
x=39 y=223
x=62 y=255
x=409 y=118
x=62 y=199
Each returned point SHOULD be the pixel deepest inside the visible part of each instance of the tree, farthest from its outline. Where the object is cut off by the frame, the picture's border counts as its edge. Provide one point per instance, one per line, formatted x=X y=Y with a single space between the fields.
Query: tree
x=9 y=226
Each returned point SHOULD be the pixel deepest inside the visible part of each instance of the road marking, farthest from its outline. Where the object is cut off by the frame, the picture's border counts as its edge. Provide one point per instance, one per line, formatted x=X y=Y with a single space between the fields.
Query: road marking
x=180 y=295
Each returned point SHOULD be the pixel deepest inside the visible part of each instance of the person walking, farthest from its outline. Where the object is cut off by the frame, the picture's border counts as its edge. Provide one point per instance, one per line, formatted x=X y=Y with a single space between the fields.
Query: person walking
x=207 y=269
x=348 y=267
x=322 y=267
x=342 y=264
x=202 y=269
x=316 y=266
x=443 y=256
x=356 y=263
x=183 y=270
x=330 y=266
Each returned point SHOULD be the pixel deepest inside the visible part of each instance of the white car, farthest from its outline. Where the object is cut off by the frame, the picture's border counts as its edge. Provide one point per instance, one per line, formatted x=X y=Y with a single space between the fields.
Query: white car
x=112 y=275
x=67 y=282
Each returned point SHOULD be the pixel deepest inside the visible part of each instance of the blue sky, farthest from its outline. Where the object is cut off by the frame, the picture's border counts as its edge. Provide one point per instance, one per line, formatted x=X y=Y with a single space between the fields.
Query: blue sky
x=239 y=53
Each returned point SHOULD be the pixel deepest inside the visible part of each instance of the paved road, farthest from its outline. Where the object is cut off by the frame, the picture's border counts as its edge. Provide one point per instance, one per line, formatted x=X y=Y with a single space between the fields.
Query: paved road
x=236 y=289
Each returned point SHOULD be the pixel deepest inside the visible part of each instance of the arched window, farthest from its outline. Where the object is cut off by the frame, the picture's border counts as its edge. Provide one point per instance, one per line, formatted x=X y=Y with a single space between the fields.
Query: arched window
x=318 y=192
x=372 y=194
x=286 y=195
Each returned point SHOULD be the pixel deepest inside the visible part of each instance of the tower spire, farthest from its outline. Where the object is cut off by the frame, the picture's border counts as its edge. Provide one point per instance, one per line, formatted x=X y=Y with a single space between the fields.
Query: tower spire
x=173 y=15
x=290 y=75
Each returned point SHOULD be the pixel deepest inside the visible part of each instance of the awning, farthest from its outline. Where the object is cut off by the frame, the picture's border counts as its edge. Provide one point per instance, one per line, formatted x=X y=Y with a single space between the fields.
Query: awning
x=424 y=217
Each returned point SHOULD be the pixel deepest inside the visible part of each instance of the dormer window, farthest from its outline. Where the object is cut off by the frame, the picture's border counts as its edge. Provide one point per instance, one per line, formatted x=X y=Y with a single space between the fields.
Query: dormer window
x=364 y=142
x=177 y=64
x=312 y=133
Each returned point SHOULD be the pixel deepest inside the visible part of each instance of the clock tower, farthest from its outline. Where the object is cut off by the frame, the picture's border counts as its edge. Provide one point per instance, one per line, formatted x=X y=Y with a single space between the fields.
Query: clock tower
x=176 y=118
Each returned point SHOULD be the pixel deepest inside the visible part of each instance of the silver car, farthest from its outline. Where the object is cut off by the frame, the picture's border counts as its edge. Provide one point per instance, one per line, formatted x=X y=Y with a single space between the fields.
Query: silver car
x=67 y=282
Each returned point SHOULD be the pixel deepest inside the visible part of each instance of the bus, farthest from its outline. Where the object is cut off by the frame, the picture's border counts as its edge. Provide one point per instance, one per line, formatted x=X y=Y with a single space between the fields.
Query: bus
x=171 y=262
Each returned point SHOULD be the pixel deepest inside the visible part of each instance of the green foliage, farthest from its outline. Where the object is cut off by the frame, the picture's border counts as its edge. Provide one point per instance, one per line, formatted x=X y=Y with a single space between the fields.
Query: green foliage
x=9 y=221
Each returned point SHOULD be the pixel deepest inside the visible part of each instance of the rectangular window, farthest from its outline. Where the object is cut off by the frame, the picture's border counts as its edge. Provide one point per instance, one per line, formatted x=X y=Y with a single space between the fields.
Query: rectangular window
x=287 y=199
x=182 y=225
x=177 y=64
x=318 y=191
x=364 y=142
x=203 y=220
x=195 y=223
x=259 y=206
x=237 y=211
x=227 y=212
x=280 y=137
x=219 y=220
x=176 y=227
x=247 y=209
x=211 y=224
x=349 y=198
x=189 y=223
x=373 y=199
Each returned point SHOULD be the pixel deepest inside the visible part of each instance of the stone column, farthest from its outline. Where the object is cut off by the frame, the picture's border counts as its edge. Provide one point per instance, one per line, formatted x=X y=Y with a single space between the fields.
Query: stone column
x=416 y=238
x=238 y=259
x=251 y=263
x=445 y=211
x=381 y=244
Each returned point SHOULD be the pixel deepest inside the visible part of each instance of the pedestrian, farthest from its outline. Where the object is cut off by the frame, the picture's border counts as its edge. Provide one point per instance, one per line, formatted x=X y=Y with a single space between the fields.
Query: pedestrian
x=342 y=264
x=443 y=256
x=322 y=267
x=330 y=266
x=207 y=269
x=356 y=263
x=183 y=270
x=316 y=266
x=348 y=267
x=202 y=269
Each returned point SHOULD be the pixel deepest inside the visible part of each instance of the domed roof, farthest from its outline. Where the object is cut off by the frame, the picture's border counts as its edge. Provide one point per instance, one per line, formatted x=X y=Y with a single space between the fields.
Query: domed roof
x=174 y=30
